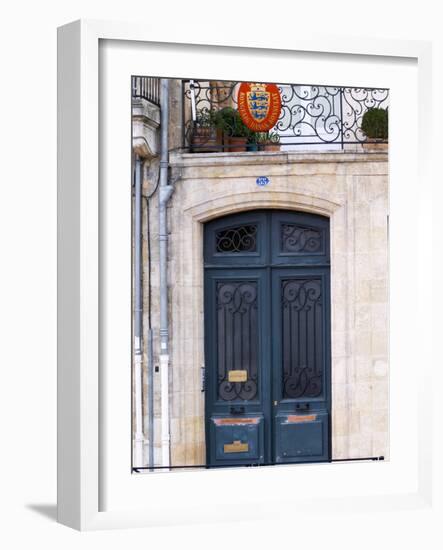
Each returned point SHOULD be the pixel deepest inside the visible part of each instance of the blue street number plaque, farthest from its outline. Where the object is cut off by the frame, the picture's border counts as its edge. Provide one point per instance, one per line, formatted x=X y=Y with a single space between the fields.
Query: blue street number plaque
x=262 y=180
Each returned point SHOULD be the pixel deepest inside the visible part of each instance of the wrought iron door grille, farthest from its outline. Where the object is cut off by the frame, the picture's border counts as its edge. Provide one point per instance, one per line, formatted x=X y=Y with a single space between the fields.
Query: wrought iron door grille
x=237 y=239
x=302 y=338
x=237 y=330
x=300 y=239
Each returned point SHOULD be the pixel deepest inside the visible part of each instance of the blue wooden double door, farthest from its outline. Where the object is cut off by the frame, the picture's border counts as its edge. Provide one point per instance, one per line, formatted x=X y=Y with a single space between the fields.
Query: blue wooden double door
x=267 y=338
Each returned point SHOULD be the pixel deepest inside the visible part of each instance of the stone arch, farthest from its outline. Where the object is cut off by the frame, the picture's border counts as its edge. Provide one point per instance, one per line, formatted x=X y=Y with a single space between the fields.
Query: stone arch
x=214 y=208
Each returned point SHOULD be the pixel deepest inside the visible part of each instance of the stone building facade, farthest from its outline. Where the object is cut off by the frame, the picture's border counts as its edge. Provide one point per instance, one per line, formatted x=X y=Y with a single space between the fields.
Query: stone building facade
x=348 y=187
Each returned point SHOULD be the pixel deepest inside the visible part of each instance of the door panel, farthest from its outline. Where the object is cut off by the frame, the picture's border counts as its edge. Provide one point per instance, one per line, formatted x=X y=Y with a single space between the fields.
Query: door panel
x=238 y=358
x=302 y=437
x=238 y=440
x=237 y=240
x=301 y=364
x=299 y=239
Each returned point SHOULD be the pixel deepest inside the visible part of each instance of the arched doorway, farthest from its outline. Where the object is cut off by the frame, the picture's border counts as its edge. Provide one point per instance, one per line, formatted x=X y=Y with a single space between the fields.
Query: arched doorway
x=267 y=338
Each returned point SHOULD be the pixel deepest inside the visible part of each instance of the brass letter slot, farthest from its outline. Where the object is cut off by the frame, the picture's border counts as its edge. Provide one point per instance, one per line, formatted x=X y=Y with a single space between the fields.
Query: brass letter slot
x=236 y=447
x=237 y=376
x=235 y=421
x=301 y=418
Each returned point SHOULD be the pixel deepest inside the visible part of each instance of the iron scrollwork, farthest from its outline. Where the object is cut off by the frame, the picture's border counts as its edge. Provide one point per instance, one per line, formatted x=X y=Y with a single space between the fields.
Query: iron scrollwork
x=302 y=338
x=310 y=112
x=300 y=239
x=356 y=101
x=237 y=338
x=237 y=239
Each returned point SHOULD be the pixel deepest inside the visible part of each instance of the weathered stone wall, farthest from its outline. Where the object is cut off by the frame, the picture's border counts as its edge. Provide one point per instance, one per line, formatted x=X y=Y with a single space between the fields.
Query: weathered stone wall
x=352 y=189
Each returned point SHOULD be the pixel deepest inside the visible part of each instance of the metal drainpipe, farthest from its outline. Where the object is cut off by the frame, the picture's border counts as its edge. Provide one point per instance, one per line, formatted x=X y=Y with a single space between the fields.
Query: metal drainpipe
x=150 y=349
x=165 y=192
x=138 y=313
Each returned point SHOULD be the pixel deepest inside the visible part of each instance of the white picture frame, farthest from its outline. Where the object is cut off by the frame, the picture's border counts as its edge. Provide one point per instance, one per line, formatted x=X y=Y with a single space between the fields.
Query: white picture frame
x=81 y=412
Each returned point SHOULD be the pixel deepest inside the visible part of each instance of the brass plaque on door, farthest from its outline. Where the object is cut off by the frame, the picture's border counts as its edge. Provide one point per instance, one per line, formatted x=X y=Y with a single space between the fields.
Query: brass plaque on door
x=237 y=376
x=236 y=447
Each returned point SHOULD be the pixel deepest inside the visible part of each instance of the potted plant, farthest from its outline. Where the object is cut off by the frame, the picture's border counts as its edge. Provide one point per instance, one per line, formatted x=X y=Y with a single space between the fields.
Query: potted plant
x=205 y=136
x=375 y=127
x=235 y=131
x=252 y=143
x=269 y=141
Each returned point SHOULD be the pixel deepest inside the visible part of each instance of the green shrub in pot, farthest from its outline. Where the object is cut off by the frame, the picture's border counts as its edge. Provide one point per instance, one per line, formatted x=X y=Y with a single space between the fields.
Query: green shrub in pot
x=269 y=141
x=236 y=133
x=375 y=124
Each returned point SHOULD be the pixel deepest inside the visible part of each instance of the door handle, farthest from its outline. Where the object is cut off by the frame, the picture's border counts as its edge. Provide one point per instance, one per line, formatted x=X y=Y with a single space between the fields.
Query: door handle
x=302 y=406
x=237 y=409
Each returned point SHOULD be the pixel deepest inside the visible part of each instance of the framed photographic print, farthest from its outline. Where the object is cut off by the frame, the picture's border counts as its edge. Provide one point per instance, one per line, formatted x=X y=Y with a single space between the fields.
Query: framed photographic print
x=270 y=267
x=238 y=315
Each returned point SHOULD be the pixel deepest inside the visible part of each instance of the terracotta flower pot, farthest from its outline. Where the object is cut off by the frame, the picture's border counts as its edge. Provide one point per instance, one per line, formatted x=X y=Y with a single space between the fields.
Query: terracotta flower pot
x=272 y=147
x=206 y=140
x=237 y=144
x=374 y=145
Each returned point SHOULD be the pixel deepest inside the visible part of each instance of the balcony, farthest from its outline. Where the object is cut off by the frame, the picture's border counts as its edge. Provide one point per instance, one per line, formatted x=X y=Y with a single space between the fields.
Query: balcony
x=147 y=88
x=145 y=115
x=313 y=118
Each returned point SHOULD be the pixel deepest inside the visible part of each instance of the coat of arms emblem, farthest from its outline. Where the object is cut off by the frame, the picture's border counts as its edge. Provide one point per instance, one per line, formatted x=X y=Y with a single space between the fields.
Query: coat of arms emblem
x=258 y=101
x=259 y=105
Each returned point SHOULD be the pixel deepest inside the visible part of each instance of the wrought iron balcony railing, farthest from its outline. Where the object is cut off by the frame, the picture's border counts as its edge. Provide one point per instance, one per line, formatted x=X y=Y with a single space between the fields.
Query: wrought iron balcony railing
x=146 y=88
x=312 y=116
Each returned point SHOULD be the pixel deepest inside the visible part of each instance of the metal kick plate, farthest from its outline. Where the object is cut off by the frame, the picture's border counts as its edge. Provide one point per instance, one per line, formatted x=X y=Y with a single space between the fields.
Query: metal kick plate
x=237 y=376
x=236 y=447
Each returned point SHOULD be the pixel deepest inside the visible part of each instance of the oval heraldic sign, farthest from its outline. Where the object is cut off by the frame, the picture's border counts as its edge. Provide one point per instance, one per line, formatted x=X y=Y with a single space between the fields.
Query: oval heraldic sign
x=259 y=105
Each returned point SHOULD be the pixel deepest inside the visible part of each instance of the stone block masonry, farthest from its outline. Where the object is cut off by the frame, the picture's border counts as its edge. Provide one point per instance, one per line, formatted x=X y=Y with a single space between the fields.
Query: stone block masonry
x=352 y=190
